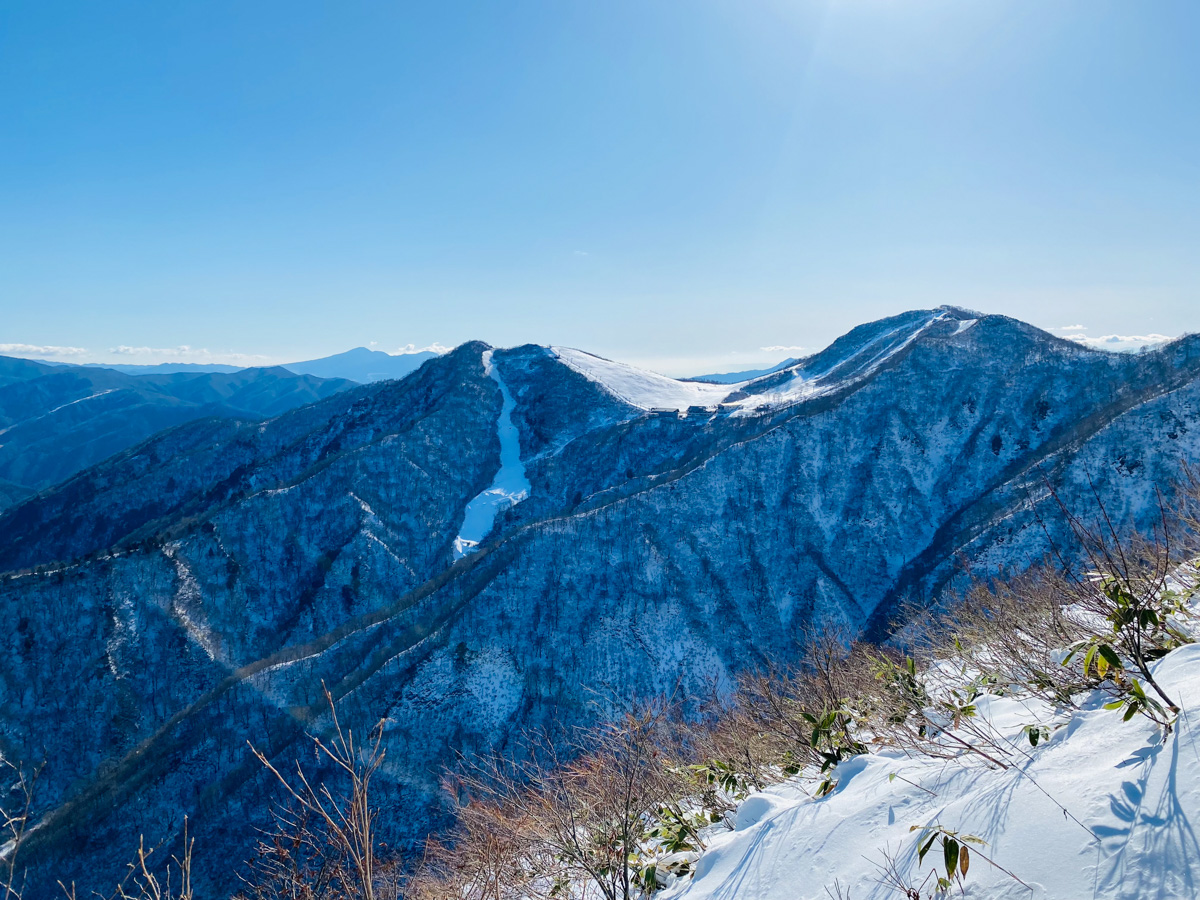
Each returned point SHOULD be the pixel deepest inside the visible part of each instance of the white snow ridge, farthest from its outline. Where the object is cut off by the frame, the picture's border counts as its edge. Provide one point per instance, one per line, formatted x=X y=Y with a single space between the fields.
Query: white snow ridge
x=651 y=391
x=641 y=388
x=510 y=485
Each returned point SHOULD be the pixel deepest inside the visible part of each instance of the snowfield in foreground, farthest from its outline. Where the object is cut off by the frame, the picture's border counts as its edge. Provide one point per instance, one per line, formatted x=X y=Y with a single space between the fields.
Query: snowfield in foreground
x=1138 y=797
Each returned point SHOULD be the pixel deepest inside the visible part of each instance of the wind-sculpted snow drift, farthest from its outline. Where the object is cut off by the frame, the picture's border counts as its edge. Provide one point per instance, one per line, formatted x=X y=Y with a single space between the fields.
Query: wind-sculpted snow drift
x=1134 y=797
x=200 y=587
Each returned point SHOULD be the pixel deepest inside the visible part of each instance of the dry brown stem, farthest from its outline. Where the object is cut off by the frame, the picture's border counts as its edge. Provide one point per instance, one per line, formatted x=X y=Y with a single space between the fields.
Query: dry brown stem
x=324 y=841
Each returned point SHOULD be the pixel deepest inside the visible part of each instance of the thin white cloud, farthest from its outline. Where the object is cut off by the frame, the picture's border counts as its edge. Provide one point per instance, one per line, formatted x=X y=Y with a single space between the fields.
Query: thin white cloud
x=1071 y=328
x=783 y=349
x=125 y=350
x=40 y=350
x=435 y=347
x=188 y=353
x=1120 y=342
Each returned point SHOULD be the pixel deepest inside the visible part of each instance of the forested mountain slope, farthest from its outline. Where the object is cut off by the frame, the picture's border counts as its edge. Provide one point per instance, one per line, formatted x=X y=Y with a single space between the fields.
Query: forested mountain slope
x=201 y=586
x=58 y=420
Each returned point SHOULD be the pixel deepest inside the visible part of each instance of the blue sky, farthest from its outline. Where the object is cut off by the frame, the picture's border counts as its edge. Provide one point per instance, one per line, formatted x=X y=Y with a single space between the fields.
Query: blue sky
x=677 y=184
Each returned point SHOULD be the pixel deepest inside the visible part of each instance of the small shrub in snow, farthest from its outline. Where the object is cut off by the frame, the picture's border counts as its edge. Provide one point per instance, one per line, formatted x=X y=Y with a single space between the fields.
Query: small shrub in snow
x=608 y=822
x=832 y=741
x=1141 y=629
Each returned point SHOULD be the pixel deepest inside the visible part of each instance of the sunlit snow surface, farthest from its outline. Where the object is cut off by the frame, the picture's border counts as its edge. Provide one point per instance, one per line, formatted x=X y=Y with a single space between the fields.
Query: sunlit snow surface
x=1139 y=797
x=640 y=388
x=964 y=324
x=811 y=377
x=510 y=485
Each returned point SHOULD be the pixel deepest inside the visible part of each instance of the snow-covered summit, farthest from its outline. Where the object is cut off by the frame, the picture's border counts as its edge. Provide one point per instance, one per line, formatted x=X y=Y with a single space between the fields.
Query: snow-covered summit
x=640 y=387
x=849 y=359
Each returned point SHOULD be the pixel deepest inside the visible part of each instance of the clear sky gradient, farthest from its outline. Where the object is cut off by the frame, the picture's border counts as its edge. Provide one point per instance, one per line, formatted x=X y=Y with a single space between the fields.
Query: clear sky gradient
x=676 y=184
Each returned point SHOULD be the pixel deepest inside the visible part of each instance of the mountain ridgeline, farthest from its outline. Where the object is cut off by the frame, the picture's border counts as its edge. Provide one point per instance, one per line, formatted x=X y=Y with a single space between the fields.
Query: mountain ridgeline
x=58 y=420
x=201 y=586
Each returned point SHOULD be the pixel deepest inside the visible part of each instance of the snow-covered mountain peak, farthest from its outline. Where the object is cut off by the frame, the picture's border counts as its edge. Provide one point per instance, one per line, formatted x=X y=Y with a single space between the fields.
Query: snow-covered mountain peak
x=852 y=357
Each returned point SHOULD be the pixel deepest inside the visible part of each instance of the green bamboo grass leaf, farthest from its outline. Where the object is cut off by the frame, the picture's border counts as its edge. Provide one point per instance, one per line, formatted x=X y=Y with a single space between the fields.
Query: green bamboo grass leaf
x=1109 y=655
x=950 y=855
x=921 y=851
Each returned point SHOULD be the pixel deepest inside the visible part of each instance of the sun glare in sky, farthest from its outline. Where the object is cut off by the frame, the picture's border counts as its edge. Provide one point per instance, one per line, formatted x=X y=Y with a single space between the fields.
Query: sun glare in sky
x=679 y=184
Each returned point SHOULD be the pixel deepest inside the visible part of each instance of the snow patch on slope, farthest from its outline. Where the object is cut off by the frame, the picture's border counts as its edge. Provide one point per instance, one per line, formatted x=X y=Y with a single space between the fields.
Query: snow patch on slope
x=51 y=412
x=188 y=599
x=864 y=361
x=510 y=485
x=1139 y=798
x=641 y=388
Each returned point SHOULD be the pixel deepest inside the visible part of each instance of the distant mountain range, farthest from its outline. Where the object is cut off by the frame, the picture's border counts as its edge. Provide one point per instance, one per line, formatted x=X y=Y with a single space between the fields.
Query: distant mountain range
x=360 y=364
x=202 y=585
x=163 y=368
x=58 y=420
x=745 y=375
x=363 y=365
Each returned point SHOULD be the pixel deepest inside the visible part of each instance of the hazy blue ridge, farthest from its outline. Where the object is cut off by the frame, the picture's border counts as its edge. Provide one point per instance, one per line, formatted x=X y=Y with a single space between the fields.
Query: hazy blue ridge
x=745 y=375
x=56 y=421
x=363 y=365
